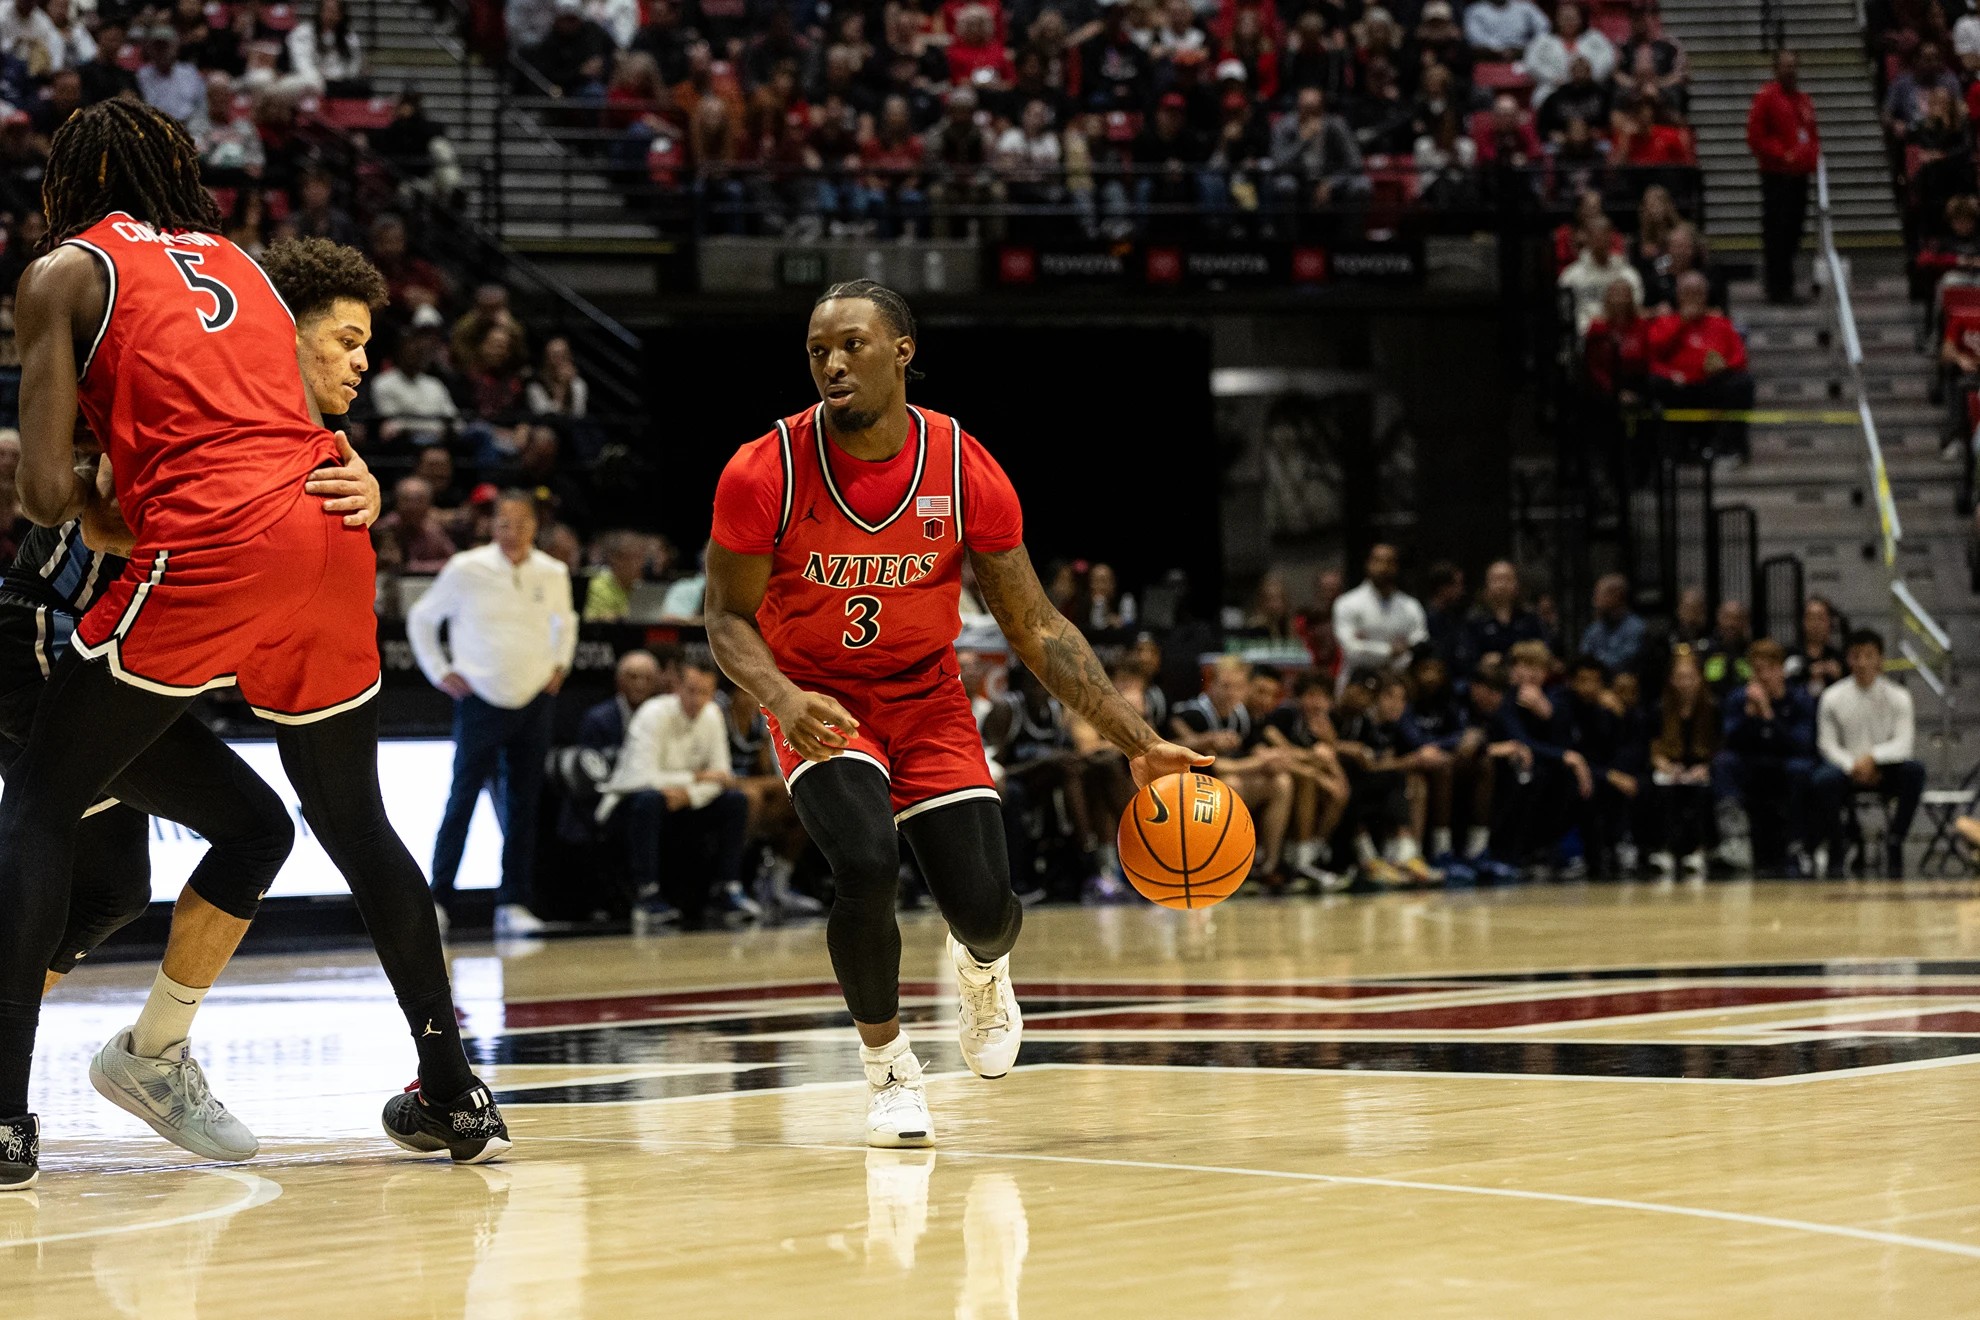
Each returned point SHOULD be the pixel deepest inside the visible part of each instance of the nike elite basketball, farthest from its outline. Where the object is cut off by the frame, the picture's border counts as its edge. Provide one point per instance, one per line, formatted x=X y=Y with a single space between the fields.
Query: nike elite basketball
x=1186 y=841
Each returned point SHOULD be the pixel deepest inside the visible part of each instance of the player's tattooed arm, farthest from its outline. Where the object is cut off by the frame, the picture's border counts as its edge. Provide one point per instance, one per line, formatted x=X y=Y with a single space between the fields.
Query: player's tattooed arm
x=1052 y=648
x=816 y=727
x=57 y=296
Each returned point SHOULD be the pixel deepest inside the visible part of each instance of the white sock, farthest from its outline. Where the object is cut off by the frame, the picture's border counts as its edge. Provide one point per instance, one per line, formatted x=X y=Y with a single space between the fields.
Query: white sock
x=883 y=1055
x=1406 y=850
x=167 y=1017
x=1440 y=840
x=1477 y=841
x=1306 y=853
x=1364 y=847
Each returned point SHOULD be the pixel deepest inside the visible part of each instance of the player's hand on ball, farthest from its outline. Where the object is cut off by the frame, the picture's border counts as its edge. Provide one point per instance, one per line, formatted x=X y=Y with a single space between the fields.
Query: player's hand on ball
x=1164 y=758
x=816 y=727
x=349 y=489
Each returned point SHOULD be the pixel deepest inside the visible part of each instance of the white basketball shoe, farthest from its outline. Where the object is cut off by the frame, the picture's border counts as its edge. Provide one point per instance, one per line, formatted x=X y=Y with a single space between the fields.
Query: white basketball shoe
x=989 y=1021
x=896 y=1107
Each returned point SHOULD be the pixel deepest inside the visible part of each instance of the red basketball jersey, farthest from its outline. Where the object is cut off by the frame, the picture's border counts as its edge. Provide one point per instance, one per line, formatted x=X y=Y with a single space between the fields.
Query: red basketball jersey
x=193 y=387
x=863 y=592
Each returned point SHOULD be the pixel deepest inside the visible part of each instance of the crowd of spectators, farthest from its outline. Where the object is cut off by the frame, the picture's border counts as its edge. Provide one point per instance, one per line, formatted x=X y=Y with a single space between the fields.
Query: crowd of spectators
x=1647 y=319
x=1107 y=117
x=1929 y=77
x=1458 y=739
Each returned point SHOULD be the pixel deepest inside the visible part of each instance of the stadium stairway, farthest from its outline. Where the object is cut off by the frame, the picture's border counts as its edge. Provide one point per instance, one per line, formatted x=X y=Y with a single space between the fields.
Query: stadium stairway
x=1809 y=484
x=1729 y=62
x=551 y=196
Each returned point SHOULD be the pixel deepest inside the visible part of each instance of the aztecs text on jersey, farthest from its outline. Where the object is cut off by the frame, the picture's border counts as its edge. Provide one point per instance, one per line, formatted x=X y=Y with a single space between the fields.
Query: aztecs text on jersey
x=193 y=385
x=858 y=591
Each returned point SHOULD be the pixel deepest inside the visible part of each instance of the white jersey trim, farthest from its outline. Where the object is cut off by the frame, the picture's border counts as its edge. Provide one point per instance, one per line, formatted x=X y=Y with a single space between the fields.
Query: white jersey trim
x=109 y=301
x=832 y=487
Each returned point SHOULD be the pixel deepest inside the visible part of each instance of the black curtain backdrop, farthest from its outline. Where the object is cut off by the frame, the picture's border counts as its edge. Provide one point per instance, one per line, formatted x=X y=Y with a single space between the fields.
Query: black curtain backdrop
x=1106 y=431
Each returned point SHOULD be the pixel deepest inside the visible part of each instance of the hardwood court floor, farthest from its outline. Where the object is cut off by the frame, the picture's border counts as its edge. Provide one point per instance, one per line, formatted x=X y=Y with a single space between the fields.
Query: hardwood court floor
x=1739 y=1101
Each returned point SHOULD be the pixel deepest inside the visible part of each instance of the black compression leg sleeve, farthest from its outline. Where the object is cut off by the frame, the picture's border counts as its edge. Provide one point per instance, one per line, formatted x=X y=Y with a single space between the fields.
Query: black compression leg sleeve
x=87 y=729
x=190 y=776
x=334 y=765
x=111 y=885
x=844 y=807
x=963 y=857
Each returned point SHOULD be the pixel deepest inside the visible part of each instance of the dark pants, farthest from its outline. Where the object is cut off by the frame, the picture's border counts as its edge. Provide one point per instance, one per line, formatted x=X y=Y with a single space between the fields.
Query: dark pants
x=1726 y=391
x=1774 y=792
x=1783 y=216
x=1901 y=784
x=705 y=845
x=1686 y=814
x=508 y=746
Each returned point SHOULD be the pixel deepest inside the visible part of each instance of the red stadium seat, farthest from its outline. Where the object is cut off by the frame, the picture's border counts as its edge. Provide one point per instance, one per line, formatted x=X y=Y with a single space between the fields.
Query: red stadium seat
x=1963 y=328
x=1614 y=26
x=1960 y=298
x=1497 y=78
x=224 y=198
x=355 y=113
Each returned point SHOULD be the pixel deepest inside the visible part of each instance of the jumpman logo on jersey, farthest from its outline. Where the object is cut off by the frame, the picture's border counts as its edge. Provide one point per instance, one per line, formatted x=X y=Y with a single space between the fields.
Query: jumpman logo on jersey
x=811 y=514
x=429 y=1030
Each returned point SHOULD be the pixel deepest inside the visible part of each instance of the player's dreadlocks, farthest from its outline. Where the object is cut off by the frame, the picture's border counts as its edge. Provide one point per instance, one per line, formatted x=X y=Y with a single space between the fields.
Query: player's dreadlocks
x=890 y=304
x=311 y=274
x=121 y=155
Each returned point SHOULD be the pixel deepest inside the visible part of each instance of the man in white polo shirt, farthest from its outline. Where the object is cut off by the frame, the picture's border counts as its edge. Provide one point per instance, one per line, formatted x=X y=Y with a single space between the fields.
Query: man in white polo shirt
x=511 y=633
x=1865 y=731
x=1378 y=624
x=672 y=793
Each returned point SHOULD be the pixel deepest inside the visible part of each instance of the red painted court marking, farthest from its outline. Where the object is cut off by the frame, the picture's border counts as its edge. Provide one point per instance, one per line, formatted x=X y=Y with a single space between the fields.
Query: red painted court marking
x=1480 y=1017
x=699 y=1003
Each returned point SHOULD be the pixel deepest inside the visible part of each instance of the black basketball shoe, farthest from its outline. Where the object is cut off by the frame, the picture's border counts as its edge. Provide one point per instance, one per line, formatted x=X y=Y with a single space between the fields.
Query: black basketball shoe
x=20 y=1152
x=469 y=1127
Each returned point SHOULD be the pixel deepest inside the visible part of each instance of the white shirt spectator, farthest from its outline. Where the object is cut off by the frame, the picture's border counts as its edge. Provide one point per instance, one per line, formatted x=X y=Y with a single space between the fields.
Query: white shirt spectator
x=1588 y=281
x=72 y=47
x=1966 y=38
x=510 y=627
x=1852 y=722
x=33 y=38
x=1511 y=26
x=180 y=93
x=618 y=17
x=1548 y=57
x=318 y=62
x=418 y=408
x=683 y=599
x=541 y=404
x=1018 y=152
x=1368 y=625
x=665 y=749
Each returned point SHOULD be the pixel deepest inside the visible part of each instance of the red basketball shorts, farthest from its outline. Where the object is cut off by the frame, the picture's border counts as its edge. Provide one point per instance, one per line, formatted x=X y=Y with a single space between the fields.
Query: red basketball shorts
x=286 y=615
x=919 y=731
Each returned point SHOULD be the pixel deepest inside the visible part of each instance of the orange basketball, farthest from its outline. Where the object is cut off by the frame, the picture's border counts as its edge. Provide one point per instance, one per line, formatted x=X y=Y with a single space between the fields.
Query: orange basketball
x=1186 y=841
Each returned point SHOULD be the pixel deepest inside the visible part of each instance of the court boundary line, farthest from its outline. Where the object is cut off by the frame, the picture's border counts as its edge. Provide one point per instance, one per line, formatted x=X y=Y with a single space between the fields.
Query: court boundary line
x=1871 y=1235
x=260 y=1191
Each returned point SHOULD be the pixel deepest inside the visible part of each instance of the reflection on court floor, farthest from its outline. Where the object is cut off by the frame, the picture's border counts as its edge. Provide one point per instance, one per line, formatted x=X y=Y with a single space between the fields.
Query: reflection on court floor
x=1623 y=1101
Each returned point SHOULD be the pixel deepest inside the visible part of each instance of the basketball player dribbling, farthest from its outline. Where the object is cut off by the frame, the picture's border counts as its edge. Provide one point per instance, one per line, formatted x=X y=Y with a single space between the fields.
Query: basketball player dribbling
x=834 y=578
x=183 y=359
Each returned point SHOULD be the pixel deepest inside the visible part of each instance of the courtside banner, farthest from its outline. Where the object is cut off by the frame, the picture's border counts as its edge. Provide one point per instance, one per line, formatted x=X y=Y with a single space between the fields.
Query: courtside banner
x=1155 y=265
x=415 y=774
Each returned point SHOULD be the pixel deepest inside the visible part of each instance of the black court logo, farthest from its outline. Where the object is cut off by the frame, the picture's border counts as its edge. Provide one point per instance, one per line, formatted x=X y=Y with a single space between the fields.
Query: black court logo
x=1767 y=1024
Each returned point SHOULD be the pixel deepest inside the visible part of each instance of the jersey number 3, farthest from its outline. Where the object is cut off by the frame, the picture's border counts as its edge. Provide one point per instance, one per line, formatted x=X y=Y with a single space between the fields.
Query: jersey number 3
x=863 y=621
x=224 y=302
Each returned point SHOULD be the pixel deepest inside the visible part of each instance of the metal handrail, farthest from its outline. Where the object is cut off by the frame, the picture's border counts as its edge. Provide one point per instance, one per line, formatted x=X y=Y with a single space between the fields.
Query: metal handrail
x=1889 y=526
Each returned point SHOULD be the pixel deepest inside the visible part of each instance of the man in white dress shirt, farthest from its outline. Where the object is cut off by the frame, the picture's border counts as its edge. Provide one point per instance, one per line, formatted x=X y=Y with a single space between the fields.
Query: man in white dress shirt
x=1377 y=624
x=672 y=793
x=1865 y=732
x=511 y=633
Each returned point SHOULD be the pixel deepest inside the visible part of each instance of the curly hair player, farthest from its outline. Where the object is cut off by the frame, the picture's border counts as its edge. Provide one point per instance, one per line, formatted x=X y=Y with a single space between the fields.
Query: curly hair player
x=59 y=572
x=834 y=576
x=182 y=358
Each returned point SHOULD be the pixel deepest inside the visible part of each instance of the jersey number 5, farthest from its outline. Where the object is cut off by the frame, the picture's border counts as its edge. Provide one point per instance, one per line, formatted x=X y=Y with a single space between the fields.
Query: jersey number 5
x=224 y=302
x=863 y=618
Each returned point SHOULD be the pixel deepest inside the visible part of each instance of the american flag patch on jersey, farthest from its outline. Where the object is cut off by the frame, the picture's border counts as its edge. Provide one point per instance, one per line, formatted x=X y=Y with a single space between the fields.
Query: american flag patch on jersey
x=931 y=506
